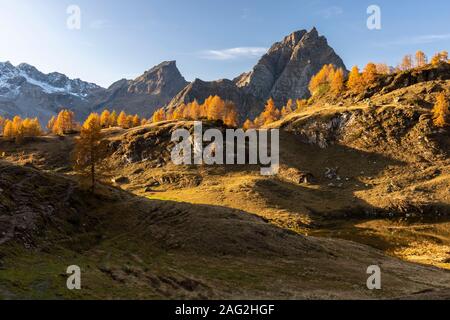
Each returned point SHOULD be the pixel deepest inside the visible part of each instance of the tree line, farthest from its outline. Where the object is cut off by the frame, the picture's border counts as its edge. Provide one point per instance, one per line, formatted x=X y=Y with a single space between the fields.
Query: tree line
x=213 y=108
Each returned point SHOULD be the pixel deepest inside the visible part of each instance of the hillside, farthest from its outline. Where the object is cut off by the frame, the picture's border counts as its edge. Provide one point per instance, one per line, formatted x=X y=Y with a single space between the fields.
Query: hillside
x=132 y=247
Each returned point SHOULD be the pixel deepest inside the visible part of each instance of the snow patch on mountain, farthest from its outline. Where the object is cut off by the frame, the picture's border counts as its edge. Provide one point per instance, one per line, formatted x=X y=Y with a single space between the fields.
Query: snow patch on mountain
x=13 y=79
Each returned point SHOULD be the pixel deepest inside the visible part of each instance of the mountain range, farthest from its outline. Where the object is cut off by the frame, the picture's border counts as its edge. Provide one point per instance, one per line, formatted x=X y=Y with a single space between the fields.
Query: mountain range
x=282 y=73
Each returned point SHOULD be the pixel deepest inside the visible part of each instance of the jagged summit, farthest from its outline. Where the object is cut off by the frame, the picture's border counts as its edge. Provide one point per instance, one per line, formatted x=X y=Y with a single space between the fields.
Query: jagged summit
x=282 y=73
x=153 y=89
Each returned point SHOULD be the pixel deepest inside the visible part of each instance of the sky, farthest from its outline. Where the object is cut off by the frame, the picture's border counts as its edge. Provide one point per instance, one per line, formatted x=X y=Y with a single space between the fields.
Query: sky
x=209 y=39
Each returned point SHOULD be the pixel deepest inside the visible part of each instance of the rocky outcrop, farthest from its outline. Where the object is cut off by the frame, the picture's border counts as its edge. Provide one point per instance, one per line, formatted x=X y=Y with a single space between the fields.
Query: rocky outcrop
x=403 y=133
x=283 y=73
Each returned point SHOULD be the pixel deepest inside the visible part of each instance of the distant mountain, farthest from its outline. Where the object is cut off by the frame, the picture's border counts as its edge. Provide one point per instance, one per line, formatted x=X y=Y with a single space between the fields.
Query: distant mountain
x=283 y=73
x=150 y=91
x=26 y=91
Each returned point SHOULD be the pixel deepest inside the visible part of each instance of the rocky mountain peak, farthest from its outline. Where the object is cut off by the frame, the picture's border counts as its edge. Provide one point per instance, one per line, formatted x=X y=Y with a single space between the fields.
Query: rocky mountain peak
x=293 y=39
x=153 y=89
x=285 y=71
x=163 y=78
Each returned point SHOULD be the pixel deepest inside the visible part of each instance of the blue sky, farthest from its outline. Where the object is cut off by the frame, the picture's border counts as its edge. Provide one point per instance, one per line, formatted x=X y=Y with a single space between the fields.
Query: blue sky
x=210 y=39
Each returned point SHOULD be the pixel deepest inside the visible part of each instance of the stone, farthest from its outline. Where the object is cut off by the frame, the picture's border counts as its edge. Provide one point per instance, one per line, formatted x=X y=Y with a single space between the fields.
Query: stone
x=121 y=180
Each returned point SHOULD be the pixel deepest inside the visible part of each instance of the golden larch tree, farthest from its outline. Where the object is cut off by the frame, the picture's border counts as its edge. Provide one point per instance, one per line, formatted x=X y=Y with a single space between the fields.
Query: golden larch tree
x=159 y=116
x=302 y=104
x=113 y=119
x=337 y=85
x=8 y=130
x=248 y=124
x=270 y=113
x=355 y=82
x=136 y=121
x=383 y=68
x=215 y=107
x=130 y=119
x=320 y=83
x=421 y=59
x=407 y=63
x=122 y=120
x=90 y=149
x=369 y=74
x=441 y=113
x=51 y=124
x=288 y=108
x=105 y=119
x=230 y=117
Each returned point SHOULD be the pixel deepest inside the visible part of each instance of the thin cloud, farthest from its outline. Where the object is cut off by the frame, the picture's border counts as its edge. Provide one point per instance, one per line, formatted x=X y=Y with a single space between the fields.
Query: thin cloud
x=233 y=53
x=423 y=39
x=330 y=12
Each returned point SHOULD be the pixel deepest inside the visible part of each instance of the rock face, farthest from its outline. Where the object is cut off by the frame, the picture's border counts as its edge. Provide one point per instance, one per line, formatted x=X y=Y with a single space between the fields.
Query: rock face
x=27 y=92
x=283 y=73
x=150 y=91
x=286 y=70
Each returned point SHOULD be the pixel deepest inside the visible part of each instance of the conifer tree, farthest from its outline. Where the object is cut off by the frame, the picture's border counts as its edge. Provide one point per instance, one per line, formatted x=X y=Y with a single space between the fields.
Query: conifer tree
x=8 y=130
x=407 y=63
x=441 y=112
x=113 y=119
x=105 y=119
x=270 y=113
x=136 y=121
x=337 y=84
x=248 y=124
x=302 y=104
x=421 y=59
x=90 y=149
x=369 y=74
x=122 y=120
x=159 y=116
x=355 y=80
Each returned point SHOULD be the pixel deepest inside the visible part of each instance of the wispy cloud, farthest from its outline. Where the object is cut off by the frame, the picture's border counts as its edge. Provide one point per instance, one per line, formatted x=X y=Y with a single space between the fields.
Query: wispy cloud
x=99 y=24
x=330 y=12
x=233 y=53
x=422 y=39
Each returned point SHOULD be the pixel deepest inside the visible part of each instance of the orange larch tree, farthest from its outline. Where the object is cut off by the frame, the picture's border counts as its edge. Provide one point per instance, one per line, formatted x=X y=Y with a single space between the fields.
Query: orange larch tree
x=355 y=82
x=441 y=113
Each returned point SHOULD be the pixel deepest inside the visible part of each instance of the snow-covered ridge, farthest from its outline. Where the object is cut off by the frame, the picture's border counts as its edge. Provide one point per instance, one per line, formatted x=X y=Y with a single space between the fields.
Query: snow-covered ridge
x=14 y=78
